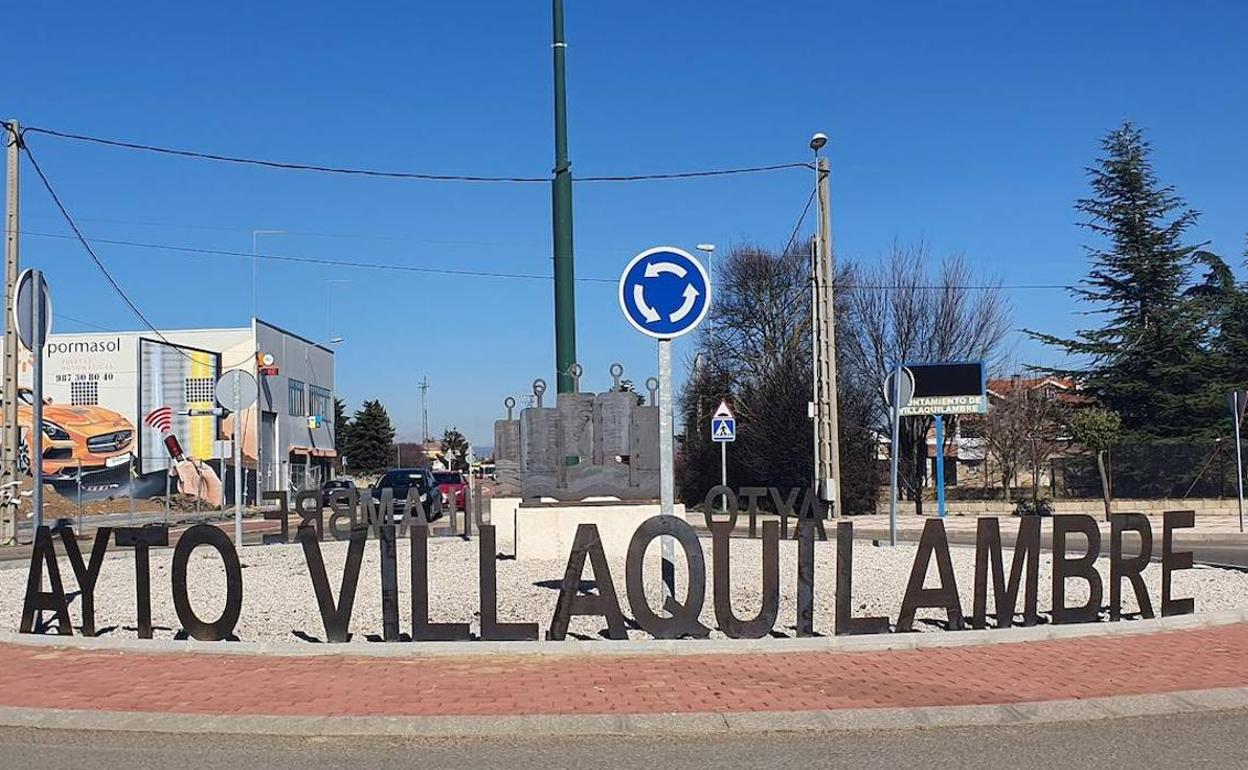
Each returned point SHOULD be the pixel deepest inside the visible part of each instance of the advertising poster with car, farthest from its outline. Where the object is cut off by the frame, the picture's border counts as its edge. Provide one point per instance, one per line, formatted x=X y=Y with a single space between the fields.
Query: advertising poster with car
x=98 y=388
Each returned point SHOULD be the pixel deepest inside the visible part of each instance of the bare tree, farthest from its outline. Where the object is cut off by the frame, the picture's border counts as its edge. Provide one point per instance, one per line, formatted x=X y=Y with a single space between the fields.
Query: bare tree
x=901 y=310
x=755 y=350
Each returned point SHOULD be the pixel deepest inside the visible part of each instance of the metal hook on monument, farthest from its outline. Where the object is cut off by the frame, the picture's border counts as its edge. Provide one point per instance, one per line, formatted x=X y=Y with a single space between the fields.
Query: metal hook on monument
x=539 y=387
x=617 y=372
x=510 y=403
x=652 y=385
x=575 y=371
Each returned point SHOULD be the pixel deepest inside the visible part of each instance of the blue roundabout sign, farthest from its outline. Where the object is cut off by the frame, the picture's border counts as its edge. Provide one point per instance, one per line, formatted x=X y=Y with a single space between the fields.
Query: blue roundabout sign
x=665 y=292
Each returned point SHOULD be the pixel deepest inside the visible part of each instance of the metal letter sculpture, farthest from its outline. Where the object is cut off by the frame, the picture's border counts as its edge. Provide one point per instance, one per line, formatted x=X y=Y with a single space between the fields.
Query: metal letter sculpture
x=684 y=619
x=1171 y=561
x=87 y=574
x=587 y=545
x=222 y=627
x=1081 y=567
x=1026 y=555
x=336 y=617
x=491 y=629
x=141 y=539
x=37 y=599
x=846 y=623
x=932 y=542
x=1132 y=569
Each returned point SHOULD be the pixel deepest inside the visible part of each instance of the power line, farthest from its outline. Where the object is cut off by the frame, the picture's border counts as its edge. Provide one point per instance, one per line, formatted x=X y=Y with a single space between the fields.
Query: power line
x=315 y=260
x=193 y=250
x=798 y=227
x=386 y=174
x=90 y=251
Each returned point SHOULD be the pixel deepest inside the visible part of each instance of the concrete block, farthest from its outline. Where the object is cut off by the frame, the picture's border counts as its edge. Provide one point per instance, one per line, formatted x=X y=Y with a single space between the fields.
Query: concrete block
x=546 y=531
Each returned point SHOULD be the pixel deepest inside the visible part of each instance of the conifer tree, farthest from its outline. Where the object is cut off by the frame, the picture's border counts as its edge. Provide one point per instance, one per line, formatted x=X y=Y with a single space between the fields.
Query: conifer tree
x=369 y=443
x=1147 y=362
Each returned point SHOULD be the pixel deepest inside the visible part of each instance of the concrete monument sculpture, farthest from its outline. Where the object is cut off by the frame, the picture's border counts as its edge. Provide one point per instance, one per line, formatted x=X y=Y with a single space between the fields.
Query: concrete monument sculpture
x=587 y=445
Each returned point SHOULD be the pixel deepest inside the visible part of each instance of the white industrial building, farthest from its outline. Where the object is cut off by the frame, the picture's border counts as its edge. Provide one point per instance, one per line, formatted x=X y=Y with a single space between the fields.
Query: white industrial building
x=103 y=384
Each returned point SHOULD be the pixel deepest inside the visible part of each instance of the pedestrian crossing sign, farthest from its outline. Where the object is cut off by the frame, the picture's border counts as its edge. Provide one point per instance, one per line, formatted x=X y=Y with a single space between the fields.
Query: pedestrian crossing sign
x=723 y=424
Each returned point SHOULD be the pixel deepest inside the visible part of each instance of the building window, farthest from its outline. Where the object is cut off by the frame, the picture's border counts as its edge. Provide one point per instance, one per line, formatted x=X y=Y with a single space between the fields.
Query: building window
x=84 y=393
x=321 y=402
x=296 y=399
x=200 y=389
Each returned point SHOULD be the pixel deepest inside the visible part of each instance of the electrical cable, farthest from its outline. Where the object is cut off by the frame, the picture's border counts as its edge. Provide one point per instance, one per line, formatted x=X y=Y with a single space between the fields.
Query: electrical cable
x=56 y=199
x=419 y=176
x=325 y=261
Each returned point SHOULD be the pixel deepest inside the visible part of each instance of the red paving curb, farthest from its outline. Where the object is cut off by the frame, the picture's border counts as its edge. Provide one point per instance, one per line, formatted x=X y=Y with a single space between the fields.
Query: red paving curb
x=1006 y=673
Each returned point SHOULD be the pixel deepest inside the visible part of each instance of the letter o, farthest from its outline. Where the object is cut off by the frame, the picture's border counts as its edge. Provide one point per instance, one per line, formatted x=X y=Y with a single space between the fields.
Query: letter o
x=731 y=504
x=222 y=627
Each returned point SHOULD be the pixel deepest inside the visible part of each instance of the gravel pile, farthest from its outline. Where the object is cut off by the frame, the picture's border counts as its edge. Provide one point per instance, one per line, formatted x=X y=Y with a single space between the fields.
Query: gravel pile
x=279 y=603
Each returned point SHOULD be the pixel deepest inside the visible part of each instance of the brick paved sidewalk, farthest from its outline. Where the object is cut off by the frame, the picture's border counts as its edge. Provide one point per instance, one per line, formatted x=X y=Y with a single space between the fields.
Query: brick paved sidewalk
x=341 y=685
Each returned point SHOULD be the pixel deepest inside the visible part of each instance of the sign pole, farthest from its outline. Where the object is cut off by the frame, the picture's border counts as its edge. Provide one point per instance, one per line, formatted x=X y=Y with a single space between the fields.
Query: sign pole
x=940 y=465
x=36 y=426
x=664 y=292
x=1239 y=456
x=666 y=466
x=238 y=464
x=723 y=471
x=895 y=450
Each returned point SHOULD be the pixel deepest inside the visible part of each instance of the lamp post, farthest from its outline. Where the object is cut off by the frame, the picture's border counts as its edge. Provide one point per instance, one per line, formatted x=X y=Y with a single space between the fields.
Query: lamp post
x=709 y=250
x=827 y=477
x=255 y=281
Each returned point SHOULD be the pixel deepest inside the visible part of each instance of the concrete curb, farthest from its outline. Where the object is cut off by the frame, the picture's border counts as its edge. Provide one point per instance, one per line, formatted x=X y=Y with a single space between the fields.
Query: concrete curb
x=1040 y=712
x=639 y=647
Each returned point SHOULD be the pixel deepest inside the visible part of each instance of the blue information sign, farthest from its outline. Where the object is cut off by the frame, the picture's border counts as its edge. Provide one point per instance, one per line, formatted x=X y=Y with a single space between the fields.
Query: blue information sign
x=665 y=292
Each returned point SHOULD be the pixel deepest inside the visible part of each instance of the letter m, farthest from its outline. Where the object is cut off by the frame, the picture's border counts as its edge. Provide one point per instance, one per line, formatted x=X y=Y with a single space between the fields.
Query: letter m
x=988 y=551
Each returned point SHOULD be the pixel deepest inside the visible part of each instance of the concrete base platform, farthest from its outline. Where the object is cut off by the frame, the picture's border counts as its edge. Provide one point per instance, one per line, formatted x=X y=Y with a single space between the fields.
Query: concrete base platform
x=545 y=531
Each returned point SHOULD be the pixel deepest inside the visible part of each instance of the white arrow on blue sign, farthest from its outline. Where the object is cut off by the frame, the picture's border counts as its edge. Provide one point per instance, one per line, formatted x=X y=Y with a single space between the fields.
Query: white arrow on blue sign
x=723 y=424
x=665 y=292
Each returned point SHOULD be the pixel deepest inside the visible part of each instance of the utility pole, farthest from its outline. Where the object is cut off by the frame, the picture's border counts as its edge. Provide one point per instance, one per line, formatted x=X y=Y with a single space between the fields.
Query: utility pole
x=561 y=220
x=9 y=441
x=424 y=409
x=823 y=329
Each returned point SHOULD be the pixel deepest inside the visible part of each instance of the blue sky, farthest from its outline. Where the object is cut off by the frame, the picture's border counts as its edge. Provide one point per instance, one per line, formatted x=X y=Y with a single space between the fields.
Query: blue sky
x=967 y=124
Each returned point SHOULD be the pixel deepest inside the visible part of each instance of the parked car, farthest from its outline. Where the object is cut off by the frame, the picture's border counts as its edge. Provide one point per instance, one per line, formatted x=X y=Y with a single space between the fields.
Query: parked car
x=335 y=485
x=400 y=481
x=453 y=486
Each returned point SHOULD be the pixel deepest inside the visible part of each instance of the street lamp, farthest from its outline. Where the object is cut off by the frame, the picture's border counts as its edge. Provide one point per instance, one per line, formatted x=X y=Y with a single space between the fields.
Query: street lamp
x=709 y=250
x=255 y=296
x=827 y=475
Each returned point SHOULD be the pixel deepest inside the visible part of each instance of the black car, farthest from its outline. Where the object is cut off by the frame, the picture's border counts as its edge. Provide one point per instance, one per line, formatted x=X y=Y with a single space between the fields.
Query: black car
x=400 y=481
x=335 y=485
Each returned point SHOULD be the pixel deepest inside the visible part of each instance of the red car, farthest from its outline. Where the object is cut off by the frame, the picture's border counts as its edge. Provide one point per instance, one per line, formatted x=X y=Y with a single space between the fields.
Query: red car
x=453 y=485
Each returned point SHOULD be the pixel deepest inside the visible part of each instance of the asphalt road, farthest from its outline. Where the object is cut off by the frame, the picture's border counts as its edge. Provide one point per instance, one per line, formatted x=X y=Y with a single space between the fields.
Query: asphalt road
x=1205 y=740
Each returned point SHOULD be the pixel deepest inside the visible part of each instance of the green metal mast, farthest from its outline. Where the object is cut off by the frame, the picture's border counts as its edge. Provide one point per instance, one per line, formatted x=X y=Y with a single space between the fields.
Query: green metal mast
x=561 y=220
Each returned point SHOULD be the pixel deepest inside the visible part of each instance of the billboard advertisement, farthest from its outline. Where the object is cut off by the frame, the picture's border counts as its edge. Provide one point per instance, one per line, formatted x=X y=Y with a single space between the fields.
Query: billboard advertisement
x=97 y=390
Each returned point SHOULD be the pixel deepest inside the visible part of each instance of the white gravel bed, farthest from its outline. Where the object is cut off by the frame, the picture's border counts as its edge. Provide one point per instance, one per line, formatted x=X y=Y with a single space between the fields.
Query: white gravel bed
x=279 y=603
